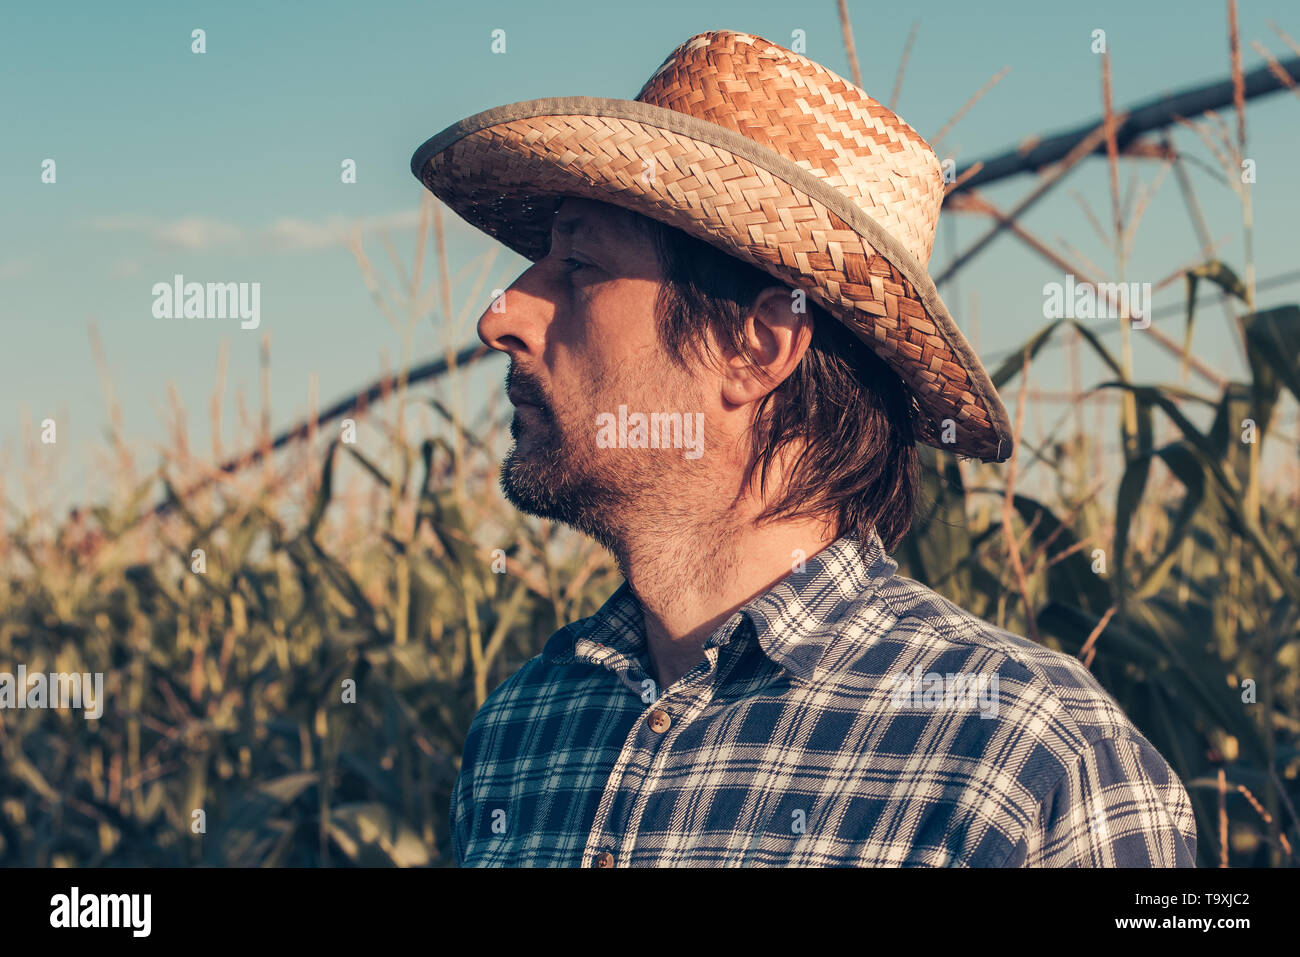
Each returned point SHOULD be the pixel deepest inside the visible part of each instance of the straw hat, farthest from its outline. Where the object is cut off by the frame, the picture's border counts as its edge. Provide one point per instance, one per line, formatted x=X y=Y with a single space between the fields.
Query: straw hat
x=771 y=158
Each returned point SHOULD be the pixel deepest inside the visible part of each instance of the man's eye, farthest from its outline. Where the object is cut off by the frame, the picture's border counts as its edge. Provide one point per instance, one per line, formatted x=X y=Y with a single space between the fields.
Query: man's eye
x=574 y=265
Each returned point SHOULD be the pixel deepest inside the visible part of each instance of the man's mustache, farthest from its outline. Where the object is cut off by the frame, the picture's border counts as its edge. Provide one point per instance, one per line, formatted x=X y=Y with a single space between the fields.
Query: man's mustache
x=523 y=387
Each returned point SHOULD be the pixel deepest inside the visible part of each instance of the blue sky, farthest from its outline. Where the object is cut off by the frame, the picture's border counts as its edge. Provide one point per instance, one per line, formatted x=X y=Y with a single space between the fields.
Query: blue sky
x=225 y=167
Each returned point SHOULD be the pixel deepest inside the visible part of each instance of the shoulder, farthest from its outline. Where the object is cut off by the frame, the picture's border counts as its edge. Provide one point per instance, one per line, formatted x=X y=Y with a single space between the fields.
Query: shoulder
x=526 y=697
x=1049 y=691
x=515 y=704
x=1060 y=772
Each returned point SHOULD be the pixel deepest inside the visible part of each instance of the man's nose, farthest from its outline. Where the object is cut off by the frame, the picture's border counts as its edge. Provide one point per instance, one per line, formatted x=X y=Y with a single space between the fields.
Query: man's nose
x=516 y=320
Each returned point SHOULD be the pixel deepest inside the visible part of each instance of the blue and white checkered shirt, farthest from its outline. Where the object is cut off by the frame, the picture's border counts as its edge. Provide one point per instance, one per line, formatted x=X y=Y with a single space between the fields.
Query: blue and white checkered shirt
x=848 y=716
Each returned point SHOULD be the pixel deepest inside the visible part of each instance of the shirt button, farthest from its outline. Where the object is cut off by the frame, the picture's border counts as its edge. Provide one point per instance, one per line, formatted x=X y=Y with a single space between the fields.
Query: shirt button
x=659 y=721
x=604 y=859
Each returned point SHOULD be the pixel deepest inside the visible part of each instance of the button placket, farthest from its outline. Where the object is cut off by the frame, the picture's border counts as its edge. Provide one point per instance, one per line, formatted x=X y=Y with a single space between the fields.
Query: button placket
x=624 y=780
x=689 y=702
x=637 y=763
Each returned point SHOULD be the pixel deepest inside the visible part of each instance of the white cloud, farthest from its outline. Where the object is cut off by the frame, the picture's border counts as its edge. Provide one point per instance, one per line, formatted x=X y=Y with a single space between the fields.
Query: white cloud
x=13 y=268
x=191 y=232
x=123 y=268
x=293 y=233
x=195 y=233
x=286 y=233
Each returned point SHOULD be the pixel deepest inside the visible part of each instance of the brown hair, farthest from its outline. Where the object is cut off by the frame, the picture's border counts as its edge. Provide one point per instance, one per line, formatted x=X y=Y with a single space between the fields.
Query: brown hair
x=859 y=464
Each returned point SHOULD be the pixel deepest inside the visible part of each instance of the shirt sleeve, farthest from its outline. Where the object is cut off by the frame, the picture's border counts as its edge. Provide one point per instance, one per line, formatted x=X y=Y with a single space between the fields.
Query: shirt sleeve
x=1119 y=804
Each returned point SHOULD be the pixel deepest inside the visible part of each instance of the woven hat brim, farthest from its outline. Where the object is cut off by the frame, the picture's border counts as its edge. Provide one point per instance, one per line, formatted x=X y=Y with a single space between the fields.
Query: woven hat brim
x=505 y=171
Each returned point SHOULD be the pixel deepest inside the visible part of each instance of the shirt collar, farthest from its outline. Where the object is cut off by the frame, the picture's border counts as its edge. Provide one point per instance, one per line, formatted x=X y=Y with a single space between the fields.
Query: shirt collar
x=793 y=621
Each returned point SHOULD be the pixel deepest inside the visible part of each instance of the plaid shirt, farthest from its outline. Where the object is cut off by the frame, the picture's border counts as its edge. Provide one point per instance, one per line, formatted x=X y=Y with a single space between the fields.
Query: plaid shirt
x=822 y=726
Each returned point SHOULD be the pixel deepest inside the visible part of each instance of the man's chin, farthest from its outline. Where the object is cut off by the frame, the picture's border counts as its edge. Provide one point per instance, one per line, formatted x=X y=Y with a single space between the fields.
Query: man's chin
x=522 y=490
x=531 y=484
x=544 y=489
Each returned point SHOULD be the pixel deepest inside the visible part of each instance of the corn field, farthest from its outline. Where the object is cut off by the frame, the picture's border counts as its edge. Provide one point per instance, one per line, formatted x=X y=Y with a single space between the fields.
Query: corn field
x=309 y=689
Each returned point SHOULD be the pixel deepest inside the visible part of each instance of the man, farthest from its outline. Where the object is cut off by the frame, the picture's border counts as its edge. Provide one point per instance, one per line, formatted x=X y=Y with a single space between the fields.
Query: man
x=720 y=363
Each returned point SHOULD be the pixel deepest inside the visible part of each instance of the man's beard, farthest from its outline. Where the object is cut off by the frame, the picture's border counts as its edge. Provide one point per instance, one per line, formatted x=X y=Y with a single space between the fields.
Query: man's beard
x=552 y=479
x=556 y=471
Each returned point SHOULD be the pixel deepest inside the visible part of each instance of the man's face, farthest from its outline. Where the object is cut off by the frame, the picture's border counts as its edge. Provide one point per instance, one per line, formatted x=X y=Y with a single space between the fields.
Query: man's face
x=581 y=332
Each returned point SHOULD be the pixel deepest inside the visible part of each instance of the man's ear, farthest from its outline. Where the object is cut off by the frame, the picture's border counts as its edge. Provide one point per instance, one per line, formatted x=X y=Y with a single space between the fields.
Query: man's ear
x=777 y=334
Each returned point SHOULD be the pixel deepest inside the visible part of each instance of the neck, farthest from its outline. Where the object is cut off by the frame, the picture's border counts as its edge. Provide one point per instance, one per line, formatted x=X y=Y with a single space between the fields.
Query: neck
x=691 y=578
